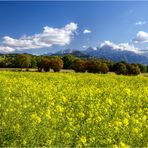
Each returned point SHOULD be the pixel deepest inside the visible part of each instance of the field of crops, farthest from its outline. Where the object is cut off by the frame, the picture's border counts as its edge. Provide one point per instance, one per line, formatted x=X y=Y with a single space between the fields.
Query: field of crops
x=73 y=110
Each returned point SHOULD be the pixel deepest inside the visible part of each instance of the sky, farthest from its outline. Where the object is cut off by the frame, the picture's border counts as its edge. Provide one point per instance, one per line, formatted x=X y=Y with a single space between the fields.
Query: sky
x=42 y=27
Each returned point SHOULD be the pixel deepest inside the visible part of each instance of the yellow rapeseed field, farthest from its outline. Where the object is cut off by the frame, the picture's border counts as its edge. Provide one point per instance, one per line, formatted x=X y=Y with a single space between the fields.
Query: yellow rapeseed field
x=73 y=110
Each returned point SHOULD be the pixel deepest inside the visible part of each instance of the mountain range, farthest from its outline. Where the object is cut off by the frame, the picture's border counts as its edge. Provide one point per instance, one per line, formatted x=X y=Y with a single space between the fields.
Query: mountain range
x=108 y=53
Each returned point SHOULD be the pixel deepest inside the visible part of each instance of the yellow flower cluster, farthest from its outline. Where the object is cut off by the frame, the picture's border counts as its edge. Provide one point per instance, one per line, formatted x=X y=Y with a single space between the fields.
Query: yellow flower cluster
x=36 y=119
x=73 y=110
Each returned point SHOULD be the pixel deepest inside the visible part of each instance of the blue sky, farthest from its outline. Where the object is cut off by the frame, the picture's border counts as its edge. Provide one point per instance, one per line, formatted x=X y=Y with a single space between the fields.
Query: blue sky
x=117 y=22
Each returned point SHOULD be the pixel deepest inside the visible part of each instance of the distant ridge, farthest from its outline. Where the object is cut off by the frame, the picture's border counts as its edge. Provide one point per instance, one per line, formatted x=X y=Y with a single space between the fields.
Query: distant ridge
x=73 y=52
x=107 y=53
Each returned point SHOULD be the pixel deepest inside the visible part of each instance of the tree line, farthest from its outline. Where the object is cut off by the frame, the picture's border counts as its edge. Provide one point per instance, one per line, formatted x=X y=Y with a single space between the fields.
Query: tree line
x=91 y=65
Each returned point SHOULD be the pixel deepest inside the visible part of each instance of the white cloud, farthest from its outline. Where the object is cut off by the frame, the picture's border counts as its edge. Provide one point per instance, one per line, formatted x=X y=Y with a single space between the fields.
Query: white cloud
x=49 y=37
x=141 y=37
x=6 y=49
x=140 y=23
x=86 y=31
x=84 y=46
x=121 y=46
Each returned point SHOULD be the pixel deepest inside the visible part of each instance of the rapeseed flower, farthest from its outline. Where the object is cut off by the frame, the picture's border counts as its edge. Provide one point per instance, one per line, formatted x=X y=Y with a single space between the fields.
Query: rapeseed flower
x=83 y=139
x=35 y=118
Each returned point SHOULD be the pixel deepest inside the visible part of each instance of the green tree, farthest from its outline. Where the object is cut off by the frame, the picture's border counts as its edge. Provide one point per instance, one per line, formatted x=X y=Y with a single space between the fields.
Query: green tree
x=46 y=64
x=56 y=64
x=2 y=62
x=143 y=69
x=43 y=63
x=33 y=62
x=120 y=68
x=68 y=61
x=93 y=66
x=23 y=60
x=133 y=70
x=104 y=68
x=39 y=63
x=79 y=65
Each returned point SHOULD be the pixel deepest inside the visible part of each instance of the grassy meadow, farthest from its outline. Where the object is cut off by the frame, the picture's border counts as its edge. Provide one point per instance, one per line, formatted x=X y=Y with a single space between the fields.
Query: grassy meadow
x=73 y=110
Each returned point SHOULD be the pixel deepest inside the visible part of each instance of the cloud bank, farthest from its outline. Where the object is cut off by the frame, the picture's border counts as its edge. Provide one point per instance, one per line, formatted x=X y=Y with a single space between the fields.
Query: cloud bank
x=141 y=37
x=86 y=31
x=121 y=46
x=49 y=37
